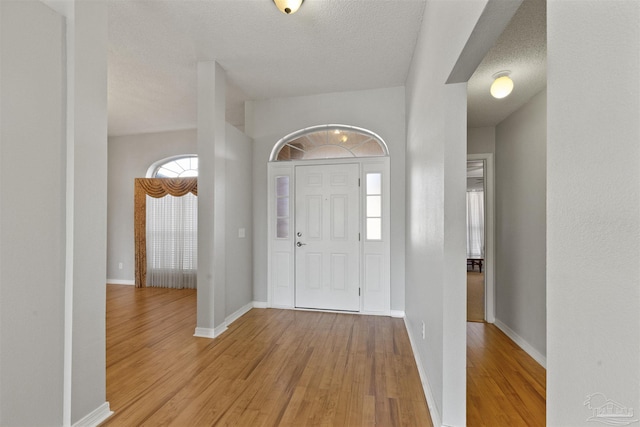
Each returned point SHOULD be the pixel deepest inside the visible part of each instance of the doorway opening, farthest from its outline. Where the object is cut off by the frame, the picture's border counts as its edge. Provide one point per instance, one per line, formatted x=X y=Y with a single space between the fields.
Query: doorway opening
x=475 y=241
x=481 y=253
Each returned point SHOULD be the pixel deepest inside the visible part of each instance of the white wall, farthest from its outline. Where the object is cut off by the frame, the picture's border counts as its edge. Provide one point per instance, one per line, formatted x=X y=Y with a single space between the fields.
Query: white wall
x=129 y=158
x=239 y=213
x=481 y=140
x=54 y=105
x=521 y=190
x=212 y=255
x=436 y=187
x=593 y=206
x=32 y=215
x=87 y=209
x=381 y=111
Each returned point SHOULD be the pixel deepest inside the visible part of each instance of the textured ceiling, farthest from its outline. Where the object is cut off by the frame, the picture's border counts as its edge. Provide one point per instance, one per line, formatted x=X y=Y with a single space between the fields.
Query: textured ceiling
x=327 y=46
x=521 y=49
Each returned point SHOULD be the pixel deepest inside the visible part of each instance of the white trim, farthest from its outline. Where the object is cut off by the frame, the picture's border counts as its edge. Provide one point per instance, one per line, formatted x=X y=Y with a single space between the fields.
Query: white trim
x=238 y=313
x=322 y=310
x=70 y=144
x=212 y=333
x=95 y=417
x=260 y=304
x=218 y=330
x=151 y=171
x=284 y=297
x=121 y=282
x=431 y=402
x=399 y=314
x=522 y=343
x=209 y=332
x=273 y=157
x=489 y=241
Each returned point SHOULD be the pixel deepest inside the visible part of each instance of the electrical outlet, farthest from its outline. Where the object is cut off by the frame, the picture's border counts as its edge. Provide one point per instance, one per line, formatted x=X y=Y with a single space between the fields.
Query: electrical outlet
x=119 y=266
x=423 y=330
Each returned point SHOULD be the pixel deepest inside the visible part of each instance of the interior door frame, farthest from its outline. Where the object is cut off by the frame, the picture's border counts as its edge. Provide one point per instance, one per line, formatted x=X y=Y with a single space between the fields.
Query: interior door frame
x=375 y=269
x=489 y=234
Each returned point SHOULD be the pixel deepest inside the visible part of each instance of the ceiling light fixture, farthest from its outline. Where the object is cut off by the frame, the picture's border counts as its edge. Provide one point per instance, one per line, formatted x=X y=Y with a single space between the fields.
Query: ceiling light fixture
x=288 y=6
x=502 y=84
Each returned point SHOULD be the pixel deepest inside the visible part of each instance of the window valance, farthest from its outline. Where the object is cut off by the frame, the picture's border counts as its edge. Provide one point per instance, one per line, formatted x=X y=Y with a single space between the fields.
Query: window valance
x=160 y=187
x=157 y=188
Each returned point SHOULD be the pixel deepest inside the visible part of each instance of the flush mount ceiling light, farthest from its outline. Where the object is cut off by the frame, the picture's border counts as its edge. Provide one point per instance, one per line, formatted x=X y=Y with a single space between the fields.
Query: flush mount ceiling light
x=502 y=85
x=288 y=6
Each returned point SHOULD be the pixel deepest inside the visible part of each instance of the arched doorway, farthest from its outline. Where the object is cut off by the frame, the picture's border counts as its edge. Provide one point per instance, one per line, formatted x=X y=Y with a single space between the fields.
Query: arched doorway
x=328 y=216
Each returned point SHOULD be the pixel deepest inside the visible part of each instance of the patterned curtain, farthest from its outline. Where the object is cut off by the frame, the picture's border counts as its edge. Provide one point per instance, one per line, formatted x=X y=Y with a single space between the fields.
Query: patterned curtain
x=156 y=188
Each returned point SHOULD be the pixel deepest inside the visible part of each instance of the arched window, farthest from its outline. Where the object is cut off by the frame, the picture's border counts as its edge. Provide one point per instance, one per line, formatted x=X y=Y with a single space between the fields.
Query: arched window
x=166 y=223
x=174 y=167
x=329 y=142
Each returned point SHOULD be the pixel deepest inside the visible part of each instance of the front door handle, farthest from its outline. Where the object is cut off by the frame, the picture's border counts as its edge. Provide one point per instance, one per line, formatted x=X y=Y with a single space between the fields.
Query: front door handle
x=299 y=244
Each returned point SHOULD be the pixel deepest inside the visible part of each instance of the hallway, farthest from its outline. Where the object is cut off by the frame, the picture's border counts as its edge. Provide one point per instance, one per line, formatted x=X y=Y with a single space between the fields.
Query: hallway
x=505 y=386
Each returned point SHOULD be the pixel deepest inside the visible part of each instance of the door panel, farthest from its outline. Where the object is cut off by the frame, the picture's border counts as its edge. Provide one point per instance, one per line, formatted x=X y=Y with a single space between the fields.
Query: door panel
x=339 y=217
x=327 y=237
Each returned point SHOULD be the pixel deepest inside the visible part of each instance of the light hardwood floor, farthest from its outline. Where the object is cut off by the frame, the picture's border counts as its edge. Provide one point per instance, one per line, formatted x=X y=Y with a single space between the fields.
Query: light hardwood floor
x=475 y=296
x=272 y=367
x=293 y=368
x=505 y=386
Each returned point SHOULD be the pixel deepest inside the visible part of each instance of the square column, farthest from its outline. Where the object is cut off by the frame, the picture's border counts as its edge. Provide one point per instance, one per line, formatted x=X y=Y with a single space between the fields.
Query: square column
x=211 y=199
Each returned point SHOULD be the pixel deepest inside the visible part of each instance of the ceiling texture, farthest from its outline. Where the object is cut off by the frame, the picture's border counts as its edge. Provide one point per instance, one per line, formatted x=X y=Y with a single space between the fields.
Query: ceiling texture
x=521 y=49
x=327 y=46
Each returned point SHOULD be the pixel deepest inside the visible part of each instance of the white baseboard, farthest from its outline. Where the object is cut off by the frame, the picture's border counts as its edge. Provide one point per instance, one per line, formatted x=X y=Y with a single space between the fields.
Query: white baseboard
x=212 y=333
x=238 y=313
x=219 y=329
x=392 y=313
x=205 y=333
x=121 y=282
x=96 y=417
x=522 y=343
x=431 y=402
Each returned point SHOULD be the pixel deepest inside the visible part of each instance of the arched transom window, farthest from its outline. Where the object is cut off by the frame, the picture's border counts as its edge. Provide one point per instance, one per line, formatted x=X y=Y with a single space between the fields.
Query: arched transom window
x=175 y=167
x=329 y=142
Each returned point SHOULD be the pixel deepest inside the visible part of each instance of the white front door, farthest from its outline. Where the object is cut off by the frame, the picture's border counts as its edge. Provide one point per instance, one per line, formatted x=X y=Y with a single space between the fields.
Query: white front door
x=327 y=240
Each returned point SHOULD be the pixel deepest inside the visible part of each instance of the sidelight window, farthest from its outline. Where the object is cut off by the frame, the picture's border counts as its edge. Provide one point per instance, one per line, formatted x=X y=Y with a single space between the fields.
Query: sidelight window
x=282 y=207
x=374 y=206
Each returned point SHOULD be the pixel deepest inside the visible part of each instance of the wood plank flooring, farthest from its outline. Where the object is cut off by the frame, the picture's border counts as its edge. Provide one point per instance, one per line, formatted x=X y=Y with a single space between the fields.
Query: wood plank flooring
x=271 y=368
x=505 y=386
x=475 y=296
x=293 y=368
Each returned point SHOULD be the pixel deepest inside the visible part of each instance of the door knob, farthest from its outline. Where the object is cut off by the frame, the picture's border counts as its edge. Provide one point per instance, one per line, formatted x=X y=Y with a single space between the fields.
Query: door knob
x=300 y=244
